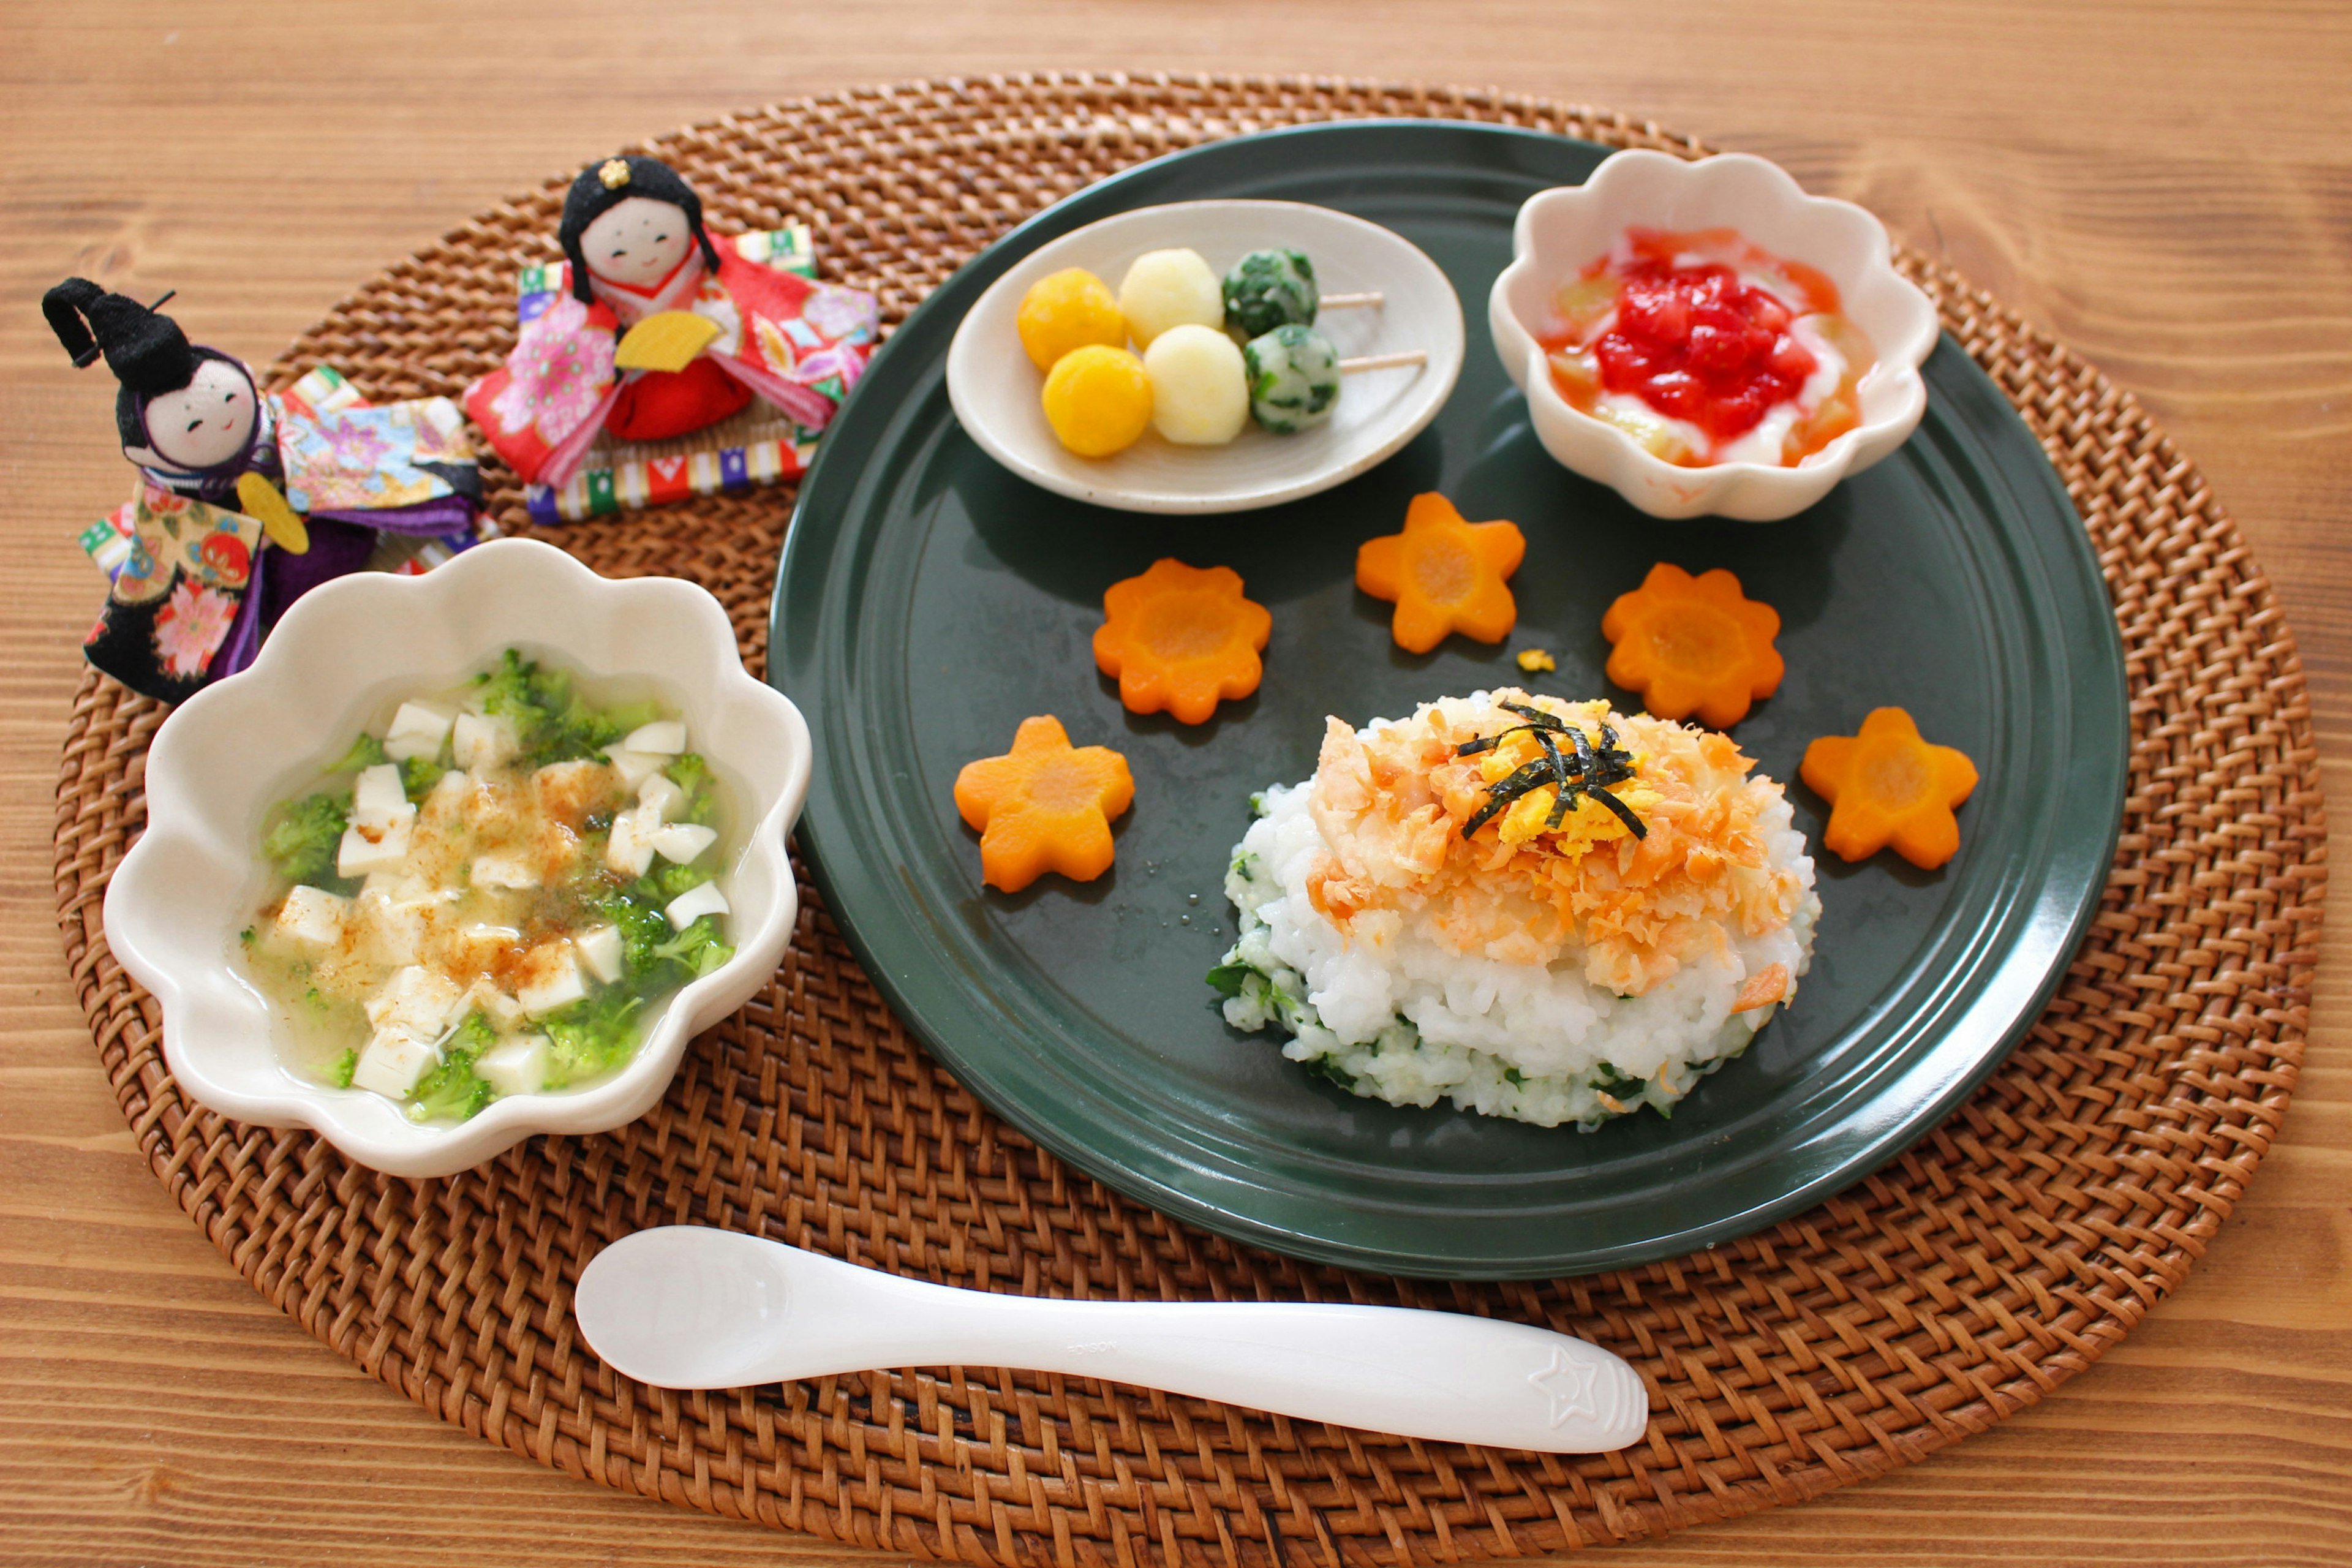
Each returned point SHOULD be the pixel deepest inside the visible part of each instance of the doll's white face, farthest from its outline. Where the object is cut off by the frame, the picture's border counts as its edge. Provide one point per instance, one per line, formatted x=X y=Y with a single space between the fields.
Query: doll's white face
x=208 y=421
x=637 y=242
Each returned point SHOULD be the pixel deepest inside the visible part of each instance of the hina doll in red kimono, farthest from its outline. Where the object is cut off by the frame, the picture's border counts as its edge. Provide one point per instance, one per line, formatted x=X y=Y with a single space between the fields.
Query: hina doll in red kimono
x=664 y=332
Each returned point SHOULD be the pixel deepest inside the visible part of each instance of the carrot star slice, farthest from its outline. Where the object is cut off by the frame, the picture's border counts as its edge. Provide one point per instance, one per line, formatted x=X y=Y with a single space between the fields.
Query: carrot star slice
x=1694 y=644
x=1044 y=806
x=1444 y=575
x=1887 y=785
x=1179 y=639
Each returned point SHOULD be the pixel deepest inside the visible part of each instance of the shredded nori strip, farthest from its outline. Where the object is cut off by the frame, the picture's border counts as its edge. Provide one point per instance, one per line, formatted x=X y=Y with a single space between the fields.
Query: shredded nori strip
x=1593 y=769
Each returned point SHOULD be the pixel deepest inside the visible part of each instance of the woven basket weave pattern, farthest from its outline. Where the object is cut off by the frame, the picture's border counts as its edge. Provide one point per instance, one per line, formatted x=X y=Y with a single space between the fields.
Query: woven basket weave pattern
x=1960 y=1283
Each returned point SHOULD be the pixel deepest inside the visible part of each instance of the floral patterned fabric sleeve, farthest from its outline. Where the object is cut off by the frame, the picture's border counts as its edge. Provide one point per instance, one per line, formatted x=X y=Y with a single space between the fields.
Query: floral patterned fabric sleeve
x=179 y=596
x=545 y=405
x=408 y=467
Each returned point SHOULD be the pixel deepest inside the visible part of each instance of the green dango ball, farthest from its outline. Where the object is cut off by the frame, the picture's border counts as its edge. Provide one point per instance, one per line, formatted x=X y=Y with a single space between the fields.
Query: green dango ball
x=1269 y=288
x=1294 y=378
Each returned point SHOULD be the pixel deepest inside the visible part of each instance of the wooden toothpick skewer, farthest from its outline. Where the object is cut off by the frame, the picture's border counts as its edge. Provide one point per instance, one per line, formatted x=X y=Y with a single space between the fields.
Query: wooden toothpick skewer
x=1384 y=362
x=1348 y=301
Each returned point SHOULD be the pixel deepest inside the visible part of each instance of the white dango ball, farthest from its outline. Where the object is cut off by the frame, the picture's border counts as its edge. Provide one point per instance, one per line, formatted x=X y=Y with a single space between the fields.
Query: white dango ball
x=1200 y=393
x=1165 y=289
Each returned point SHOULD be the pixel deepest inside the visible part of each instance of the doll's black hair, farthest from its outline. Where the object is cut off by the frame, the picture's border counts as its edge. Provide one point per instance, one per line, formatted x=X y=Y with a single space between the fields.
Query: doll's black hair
x=605 y=186
x=145 y=348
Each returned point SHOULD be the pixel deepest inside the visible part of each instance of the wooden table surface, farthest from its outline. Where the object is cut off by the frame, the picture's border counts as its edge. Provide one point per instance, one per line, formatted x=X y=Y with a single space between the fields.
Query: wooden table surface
x=2165 y=184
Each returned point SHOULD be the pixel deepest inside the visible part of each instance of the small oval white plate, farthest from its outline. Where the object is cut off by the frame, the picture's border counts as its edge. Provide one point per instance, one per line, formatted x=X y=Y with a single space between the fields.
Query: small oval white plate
x=996 y=390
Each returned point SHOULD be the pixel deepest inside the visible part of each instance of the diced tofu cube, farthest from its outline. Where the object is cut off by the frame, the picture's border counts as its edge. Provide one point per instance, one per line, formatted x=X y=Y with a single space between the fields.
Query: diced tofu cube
x=417 y=731
x=484 y=741
x=504 y=868
x=682 y=841
x=368 y=849
x=378 y=799
x=630 y=850
x=515 y=1066
x=694 y=903
x=417 y=999
x=479 y=946
x=633 y=768
x=385 y=936
x=663 y=794
x=569 y=791
x=312 y=917
x=664 y=736
x=445 y=803
x=502 y=1010
x=600 y=950
x=394 y=1059
x=551 y=978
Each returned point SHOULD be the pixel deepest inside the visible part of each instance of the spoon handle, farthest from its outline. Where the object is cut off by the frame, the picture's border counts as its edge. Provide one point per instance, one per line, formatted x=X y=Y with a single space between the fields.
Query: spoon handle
x=1439 y=1376
x=690 y=1307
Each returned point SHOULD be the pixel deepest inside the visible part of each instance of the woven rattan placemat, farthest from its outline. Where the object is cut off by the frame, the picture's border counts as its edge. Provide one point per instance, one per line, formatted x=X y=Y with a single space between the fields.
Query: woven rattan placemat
x=1960 y=1283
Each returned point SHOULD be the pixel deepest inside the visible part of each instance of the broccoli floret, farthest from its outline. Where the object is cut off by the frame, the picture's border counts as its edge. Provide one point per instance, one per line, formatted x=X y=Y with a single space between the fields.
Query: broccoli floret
x=551 y=721
x=339 y=1075
x=692 y=774
x=367 y=752
x=418 y=775
x=592 y=1035
x=666 y=881
x=696 y=948
x=643 y=928
x=302 y=838
x=454 y=1090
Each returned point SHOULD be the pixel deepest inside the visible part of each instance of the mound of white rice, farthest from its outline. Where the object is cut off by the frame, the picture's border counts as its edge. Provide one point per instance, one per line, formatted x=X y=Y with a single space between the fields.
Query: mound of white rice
x=1411 y=1021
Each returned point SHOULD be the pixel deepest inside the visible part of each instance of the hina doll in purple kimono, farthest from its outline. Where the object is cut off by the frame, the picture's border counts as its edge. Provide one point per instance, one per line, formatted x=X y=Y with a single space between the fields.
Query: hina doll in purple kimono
x=245 y=498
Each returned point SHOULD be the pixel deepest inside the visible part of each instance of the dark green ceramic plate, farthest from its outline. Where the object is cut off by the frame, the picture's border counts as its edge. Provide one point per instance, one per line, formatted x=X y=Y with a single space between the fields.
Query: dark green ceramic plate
x=928 y=601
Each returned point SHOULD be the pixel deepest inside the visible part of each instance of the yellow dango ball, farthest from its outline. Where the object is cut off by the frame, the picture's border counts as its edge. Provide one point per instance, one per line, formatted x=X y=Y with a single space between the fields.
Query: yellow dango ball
x=1098 y=400
x=1069 y=309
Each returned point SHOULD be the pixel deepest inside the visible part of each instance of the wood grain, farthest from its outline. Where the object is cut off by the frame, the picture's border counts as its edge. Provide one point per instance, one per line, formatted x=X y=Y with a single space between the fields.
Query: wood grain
x=2167 y=186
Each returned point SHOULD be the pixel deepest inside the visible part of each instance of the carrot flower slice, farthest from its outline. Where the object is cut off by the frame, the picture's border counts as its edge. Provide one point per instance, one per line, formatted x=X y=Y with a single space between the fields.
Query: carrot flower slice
x=1179 y=639
x=1444 y=575
x=1886 y=785
x=1694 y=644
x=1046 y=805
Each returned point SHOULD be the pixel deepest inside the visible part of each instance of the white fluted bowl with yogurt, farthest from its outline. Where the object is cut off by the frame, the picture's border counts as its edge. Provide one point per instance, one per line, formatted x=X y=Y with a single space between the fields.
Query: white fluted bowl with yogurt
x=1561 y=231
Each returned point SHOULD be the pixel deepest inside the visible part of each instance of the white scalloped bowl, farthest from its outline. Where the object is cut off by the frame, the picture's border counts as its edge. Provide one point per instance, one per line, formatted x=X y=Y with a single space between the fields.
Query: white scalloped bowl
x=1561 y=232
x=179 y=897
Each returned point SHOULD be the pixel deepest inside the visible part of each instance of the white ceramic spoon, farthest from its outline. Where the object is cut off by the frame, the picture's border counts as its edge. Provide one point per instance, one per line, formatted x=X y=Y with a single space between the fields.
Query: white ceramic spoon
x=688 y=1306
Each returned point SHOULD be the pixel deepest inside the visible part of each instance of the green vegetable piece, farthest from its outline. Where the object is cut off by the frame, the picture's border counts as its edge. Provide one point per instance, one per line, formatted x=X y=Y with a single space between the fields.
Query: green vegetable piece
x=592 y=1035
x=303 y=837
x=454 y=1090
x=668 y=880
x=418 y=775
x=1294 y=378
x=339 y=1075
x=696 y=948
x=551 y=721
x=367 y=752
x=1269 y=288
x=692 y=774
x=1229 y=978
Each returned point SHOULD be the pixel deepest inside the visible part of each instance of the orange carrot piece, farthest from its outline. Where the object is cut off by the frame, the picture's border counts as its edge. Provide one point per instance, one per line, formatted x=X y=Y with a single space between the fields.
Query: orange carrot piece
x=1694 y=644
x=1886 y=785
x=1046 y=805
x=1179 y=639
x=1444 y=575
